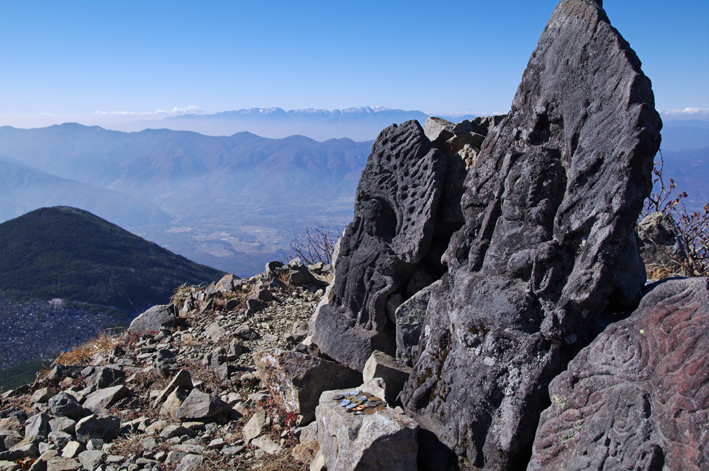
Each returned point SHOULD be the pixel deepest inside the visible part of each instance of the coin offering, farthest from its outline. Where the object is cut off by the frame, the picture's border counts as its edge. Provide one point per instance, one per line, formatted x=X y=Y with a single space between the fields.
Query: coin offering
x=345 y=403
x=359 y=407
x=338 y=397
x=362 y=398
x=368 y=411
x=354 y=393
x=351 y=406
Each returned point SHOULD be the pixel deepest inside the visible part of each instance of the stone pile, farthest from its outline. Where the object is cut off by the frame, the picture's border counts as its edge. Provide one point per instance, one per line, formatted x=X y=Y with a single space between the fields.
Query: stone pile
x=179 y=390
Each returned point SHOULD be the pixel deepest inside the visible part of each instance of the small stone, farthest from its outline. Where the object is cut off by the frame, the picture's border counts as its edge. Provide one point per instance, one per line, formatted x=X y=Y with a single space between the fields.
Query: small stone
x=267 y=445
x=40 y=396
x=254 y=426
x=60 y=439
x=189 y=462
x=91 y=459
x=72 y=449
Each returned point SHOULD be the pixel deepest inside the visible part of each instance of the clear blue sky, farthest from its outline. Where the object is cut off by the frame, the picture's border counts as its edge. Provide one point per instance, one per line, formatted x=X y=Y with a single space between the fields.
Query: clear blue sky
x=77 y=57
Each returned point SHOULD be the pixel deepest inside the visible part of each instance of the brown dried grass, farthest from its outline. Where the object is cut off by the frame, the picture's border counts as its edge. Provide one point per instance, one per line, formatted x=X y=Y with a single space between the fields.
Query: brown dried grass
x=82 y=354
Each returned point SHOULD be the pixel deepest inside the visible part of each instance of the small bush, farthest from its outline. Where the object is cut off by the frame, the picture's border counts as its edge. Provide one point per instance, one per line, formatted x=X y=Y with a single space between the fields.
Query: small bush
x=692 y=228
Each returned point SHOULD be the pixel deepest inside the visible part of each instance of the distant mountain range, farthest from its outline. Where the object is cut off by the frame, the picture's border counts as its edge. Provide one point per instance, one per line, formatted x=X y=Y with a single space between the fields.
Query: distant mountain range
x=359 y=124
x=232 y=202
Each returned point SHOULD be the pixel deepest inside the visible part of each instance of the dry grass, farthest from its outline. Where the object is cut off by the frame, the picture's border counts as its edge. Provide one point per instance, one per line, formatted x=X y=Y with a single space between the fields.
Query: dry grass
x=660 y=272
x=82 y=354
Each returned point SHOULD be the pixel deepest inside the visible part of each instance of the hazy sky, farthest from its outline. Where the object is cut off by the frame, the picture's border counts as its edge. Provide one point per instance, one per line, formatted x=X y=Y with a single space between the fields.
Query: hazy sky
x=76 y=58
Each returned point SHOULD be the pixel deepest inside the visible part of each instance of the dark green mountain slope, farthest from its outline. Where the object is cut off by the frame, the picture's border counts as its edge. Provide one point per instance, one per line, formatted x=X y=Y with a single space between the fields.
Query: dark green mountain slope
x=67 y=253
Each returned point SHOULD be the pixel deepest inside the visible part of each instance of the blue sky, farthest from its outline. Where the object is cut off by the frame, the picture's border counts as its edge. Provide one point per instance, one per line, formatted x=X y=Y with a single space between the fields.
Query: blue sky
x=70 y=59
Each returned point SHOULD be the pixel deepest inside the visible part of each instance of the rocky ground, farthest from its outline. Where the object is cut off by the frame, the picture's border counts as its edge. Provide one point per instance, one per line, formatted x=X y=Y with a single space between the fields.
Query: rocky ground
x=176 y=397
x=35 y=329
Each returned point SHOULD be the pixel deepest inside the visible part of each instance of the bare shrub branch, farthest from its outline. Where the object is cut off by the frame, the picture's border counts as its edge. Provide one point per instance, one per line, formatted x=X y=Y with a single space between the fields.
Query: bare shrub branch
x=692 y=228
x=318 y=246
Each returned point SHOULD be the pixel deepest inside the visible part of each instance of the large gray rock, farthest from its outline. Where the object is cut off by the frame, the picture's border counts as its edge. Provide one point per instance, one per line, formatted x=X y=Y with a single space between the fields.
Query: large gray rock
x=548 y=243
x=395 y=207
x=37 y=425
x=296 y=380
x=383 y=440
x=154 y=319
x=636 y=397
x=103 y=398
x=104 y=427
x=66 y=405
x=199 y=405
x=101 y=376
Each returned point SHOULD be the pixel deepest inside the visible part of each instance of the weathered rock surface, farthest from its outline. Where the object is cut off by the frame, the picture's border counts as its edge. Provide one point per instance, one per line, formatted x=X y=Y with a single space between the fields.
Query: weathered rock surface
x=395 y=208
x=97 y=426
x=550 y=206
x=394 y=373
x=409 y=317
x=199 y=405
x=383 y=440
x=636 y=397
x=297 y=380
x=659 y=245
x=103 y=398
x=153 y=319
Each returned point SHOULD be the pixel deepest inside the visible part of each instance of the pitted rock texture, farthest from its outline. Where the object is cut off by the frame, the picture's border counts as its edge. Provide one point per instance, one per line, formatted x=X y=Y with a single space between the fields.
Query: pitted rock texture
x=395 y=209
x=550 y=206
x=637 y=397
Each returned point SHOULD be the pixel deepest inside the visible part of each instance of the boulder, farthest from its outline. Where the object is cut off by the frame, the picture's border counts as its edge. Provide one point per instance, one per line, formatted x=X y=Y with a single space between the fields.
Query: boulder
x=101 y=376
x=189 y=462
x=104 y=427
x=300 y=274
x=659 y=246
x=40 y=396
x=100 y=400
x=37 y=425
x=182 y=379
x=63 y=424
x=154 y=319
x=227 y=283
x=91 y=459
x=173 y=402
x=60 y=439
x=296 y=380
x=395 y=208
x=199 y=406
x=394 y=373
x=383 y=440
x=409 y=318
x=548 y=244
x=635 y=398
x=438 y=130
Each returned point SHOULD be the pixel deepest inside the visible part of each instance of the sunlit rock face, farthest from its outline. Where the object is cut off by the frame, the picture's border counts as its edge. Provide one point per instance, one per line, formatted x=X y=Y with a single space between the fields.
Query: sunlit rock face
x=547 y=245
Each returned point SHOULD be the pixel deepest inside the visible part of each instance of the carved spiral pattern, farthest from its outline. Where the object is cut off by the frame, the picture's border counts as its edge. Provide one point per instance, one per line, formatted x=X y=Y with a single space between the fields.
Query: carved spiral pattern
x=637 y=398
